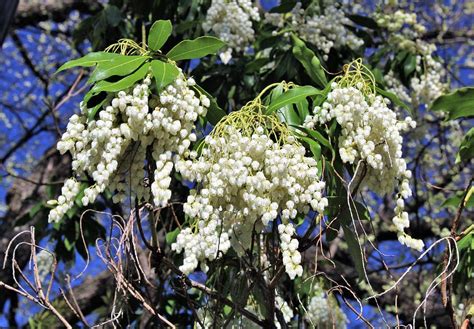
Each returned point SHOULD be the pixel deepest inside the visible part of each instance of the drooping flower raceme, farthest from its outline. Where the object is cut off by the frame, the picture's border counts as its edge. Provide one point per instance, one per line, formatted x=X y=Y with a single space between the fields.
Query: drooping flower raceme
x=325 y=29
x=429 y=82
x=231 y=21
x=371 y=133
x=245 y=182
x=113 y=149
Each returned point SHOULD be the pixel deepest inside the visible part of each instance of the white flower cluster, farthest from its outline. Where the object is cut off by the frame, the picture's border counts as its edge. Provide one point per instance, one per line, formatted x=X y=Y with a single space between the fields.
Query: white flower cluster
x=44 y=263
x=289 y=248
x=394 y=22
x=245 y=180
x=207 y=243
x=118 y=142
x=428 y=84
x=231 y=21
x=285 y=309
x=321 y=314
x=395 y=86
x=325 y=30
x=371 y=133
x=66 y=200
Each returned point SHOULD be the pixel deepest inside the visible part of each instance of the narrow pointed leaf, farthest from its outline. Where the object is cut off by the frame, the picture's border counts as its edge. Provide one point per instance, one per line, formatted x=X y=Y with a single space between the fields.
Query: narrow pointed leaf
x=354 y=250
x=164 y=73
x=197 y=48
x=121 y=84
x=121 y=65
x=292 y=96
x=160 y=32
x=88 y=60
x=316 y=135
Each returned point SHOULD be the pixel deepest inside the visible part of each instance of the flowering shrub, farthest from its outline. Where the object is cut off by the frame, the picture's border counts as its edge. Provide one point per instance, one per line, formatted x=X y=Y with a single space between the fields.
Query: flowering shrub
x=241 y=183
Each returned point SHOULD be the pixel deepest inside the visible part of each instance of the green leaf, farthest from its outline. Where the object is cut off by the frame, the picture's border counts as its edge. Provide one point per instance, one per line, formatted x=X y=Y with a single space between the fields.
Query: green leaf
x=466 y=149
x=394 y=98
x=287 y=113
x=458 y=104
x=364 y=21
x=466 y=241
x=337 y=206
x=456 y=199
x=121 y=65
x=35 y=209
x=197 y=48
x=283 y=7
x=164 y=73
x=160 y=32
x=214 y=112
x=309 y=61
x=354 y=250
x=88 y=60
x=292 y=96
x=121 y=84
x=316 y=135
x=113 y=14
x=409 y=65
x=171 y=236
x=313 y=146
x=93 y=111
x=302 y=108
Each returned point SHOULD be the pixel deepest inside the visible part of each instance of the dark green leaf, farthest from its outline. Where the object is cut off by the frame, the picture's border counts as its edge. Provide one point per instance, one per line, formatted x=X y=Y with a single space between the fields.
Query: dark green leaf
x=409 y=65
x=160 y=32
x=121 y=84
x=283 y=7
x=91 y=112
x=458 y=104
x=313 y=146
x=466 y=149
x=316 y=135
x=364 y=21
x=239 y=290
x=302 y=108
x=121 y=65
x=292 y=96
x=90 y=59
x=338 y=206
x=354 y=250
x=197 y=48
x=214 y=112
x=113 y=15
x=164 y=73
x=35 y=209
x=256 y=65
x=309 y=61
x=286 y=113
